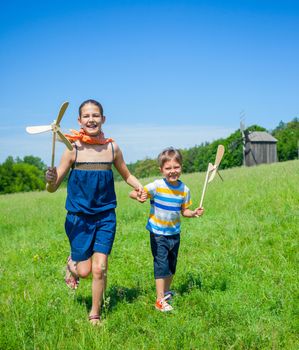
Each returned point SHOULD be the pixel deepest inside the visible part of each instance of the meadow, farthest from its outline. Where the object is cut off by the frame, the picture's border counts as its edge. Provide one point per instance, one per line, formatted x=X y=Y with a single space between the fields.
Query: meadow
x=236 y=282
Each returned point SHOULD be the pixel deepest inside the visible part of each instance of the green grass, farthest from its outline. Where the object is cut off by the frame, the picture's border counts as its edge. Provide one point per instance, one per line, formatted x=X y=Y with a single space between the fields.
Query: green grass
x=237 y=276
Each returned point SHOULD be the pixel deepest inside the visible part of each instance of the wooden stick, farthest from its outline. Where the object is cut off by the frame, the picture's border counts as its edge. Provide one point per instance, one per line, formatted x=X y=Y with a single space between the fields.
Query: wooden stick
x=53 y=149
x=205 y=184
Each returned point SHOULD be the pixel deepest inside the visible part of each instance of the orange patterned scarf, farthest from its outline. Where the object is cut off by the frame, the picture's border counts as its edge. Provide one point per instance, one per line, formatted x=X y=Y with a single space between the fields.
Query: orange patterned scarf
x=82 y=136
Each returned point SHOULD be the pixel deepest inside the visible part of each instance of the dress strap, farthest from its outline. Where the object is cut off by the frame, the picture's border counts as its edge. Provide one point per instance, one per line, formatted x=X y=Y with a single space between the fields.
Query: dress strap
x=74 y=164
x=112 y=148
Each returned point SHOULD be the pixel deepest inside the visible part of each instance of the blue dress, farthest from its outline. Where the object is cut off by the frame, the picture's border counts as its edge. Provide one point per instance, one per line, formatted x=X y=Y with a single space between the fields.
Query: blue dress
x=90 y=188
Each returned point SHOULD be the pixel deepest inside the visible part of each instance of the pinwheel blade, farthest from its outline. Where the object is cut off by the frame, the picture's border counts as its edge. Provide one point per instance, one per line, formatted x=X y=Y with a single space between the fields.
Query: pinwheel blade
x=61 y=112
x=62 y=138
x=219 y=155
x=210 y=167
x=213 y=171
x=38 y=129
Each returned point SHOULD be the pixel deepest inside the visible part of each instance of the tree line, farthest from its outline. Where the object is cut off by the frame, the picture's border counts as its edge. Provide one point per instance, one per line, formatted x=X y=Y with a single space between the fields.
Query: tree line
x=22 y=175
x=28 y=174
x=198 y=157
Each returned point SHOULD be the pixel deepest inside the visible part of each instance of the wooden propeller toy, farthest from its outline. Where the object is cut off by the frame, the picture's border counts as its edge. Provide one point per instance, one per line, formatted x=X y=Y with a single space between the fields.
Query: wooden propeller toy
x=55 y=128
x=211 y=172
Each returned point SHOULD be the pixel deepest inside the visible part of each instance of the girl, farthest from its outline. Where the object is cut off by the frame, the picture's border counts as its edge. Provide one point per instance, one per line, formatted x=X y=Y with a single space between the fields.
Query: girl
x=90 y=222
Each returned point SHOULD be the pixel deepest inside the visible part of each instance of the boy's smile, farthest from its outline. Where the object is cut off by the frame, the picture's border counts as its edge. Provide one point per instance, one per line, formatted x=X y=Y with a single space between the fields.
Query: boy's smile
x=171 y=170
x=91 y=120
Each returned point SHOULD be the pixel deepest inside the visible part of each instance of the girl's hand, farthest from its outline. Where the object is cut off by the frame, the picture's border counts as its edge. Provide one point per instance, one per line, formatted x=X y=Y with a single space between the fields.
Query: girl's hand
x=51 y=175
x=141 y=195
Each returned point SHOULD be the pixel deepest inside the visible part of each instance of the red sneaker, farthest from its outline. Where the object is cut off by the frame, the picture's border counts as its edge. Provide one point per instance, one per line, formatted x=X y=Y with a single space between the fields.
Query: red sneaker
x=162 y=304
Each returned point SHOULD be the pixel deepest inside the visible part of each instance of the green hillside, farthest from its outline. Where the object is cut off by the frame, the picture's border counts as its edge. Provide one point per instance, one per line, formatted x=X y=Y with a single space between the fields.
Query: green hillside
x=236 y=284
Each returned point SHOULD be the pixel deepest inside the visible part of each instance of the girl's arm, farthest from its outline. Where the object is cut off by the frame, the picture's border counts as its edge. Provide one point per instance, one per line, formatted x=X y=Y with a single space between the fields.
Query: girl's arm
x=133 y=194
x=54 y=176
x=188 y=213
x=121 y=167
x=139 y=196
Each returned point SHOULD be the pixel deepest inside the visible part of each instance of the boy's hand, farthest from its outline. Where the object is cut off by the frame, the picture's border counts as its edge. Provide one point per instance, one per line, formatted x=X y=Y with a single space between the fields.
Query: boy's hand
x=198 y=212
x=51 y=175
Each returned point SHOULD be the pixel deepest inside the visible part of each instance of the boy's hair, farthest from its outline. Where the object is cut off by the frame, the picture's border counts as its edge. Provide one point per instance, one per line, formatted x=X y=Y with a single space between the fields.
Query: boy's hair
x=169 y=154
x=94 y=102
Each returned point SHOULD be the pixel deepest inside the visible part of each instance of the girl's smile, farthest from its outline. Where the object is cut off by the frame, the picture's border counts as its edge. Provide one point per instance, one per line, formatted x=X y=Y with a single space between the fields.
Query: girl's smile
x=91 y=120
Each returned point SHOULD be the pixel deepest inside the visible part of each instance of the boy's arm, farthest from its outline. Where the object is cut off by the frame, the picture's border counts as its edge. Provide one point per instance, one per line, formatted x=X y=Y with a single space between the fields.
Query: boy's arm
x=54 y=176
x=188 y=213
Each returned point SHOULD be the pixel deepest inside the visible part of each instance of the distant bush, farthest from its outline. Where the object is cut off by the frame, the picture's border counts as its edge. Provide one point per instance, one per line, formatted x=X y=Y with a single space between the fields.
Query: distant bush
x=22 y=175
x=287 y=135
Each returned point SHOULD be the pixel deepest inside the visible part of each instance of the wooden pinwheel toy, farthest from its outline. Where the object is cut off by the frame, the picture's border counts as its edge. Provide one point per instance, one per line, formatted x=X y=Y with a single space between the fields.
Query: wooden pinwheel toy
x=55 y=128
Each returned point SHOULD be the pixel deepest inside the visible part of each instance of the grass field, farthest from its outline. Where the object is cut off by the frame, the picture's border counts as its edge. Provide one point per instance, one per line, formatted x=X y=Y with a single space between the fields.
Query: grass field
x=236 y=283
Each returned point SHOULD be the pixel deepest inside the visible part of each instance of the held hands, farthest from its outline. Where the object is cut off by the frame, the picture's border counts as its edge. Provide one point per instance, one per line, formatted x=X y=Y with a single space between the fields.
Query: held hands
x=141 y=194
x=51 y=175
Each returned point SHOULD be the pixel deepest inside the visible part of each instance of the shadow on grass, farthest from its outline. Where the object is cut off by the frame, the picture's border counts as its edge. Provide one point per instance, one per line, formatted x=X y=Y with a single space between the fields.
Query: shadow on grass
x=113 y=296
x=194 y=281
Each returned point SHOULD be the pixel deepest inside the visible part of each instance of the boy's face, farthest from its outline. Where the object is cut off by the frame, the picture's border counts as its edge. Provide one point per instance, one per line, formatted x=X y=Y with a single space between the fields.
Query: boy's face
x=171 y=170
x=91 y=120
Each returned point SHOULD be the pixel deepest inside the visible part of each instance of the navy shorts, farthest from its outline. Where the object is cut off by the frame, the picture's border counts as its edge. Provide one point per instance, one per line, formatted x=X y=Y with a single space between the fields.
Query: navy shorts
x=165 y=251
x=90 y=233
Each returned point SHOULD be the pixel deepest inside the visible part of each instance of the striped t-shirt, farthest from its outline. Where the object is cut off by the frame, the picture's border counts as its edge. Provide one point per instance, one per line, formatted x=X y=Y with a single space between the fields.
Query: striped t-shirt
x=167 y=201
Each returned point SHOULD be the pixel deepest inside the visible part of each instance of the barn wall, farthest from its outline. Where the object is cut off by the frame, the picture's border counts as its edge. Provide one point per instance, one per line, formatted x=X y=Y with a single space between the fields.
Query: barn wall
x=263 y=153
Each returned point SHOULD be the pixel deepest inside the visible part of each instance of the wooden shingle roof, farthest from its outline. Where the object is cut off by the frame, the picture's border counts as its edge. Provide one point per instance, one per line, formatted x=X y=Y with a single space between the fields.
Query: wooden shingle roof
x=261 y=136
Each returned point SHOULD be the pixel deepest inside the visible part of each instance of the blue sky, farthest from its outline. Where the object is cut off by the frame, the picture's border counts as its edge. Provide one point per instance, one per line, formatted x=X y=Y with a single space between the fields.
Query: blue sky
x=167 y=72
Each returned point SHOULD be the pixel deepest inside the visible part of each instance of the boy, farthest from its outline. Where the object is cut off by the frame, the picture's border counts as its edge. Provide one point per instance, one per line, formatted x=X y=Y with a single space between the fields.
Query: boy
x=168 y=197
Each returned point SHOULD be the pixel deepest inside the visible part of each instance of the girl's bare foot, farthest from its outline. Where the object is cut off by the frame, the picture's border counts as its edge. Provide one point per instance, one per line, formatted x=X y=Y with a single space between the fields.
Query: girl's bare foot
x=70 y=280
x=95 y=320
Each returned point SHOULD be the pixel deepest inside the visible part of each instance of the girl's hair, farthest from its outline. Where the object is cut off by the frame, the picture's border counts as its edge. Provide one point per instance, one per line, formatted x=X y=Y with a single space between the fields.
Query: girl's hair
x=169 y=154
x=94 y=102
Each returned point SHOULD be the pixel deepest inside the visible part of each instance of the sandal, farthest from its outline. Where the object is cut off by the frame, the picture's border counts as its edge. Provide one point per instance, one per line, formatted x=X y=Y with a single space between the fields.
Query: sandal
x=71 y=281
x=95 y=320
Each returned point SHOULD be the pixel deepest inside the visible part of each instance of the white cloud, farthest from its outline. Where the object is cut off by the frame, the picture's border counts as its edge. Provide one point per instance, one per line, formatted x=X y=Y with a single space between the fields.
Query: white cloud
x=16 y=142
x=143 y=141
x=136 y=142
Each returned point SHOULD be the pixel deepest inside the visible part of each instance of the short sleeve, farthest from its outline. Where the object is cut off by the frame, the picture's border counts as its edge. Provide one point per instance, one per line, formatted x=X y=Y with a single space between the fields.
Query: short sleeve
x=150 y=189
x=187 y=198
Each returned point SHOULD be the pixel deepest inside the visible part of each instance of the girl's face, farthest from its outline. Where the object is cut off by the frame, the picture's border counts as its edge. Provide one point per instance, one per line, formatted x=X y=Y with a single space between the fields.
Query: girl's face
x=91 y=120
x=171 y=170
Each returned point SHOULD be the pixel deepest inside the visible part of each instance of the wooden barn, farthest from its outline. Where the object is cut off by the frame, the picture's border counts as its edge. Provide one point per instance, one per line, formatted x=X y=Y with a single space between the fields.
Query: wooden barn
x=260 y=147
